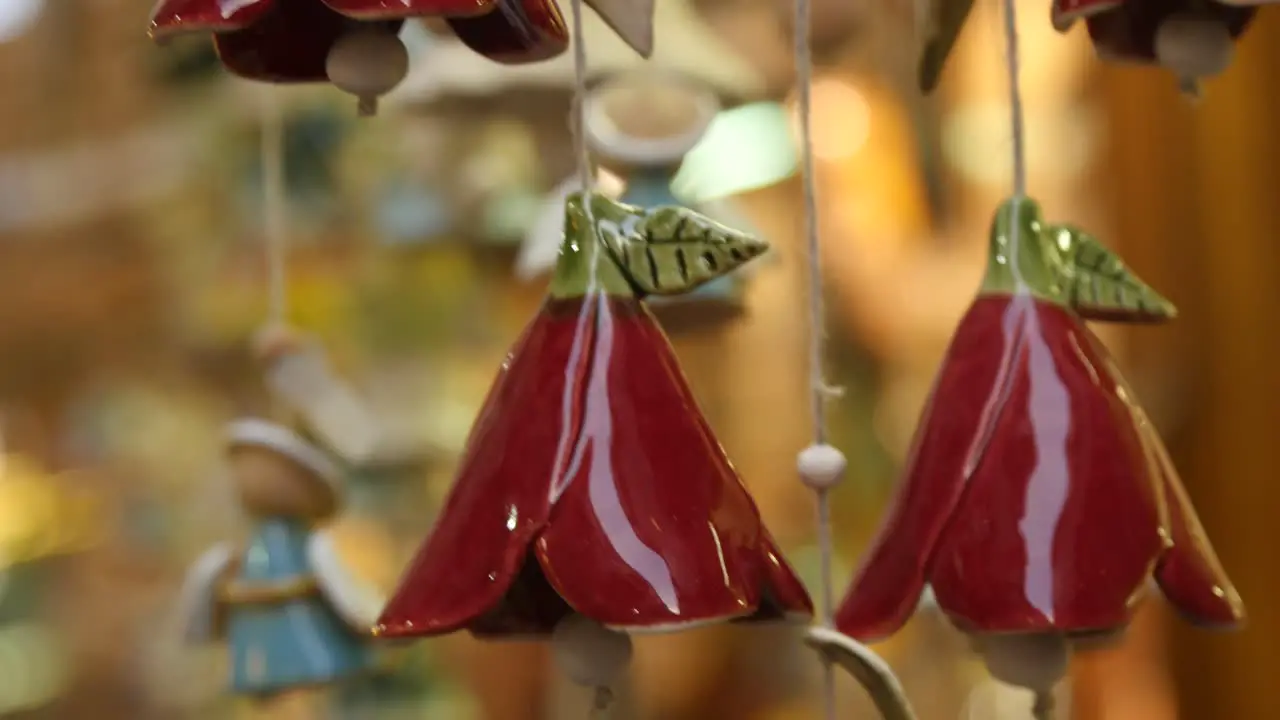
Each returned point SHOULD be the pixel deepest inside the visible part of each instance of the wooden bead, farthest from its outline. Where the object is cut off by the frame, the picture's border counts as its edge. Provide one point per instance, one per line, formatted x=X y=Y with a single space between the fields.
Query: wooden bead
x=368 y=64
x=1194 y=47
x=821 y=467
x=590 y=654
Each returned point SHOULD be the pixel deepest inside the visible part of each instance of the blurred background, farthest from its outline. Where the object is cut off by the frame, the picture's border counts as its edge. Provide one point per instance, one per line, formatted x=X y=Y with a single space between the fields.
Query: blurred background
x=131 y=277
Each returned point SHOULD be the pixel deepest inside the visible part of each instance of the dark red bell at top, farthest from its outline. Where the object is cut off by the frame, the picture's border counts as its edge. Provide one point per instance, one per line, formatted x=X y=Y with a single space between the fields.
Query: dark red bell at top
x=1194 y=39
x=1038 y=500
x=354 y=43
x=591 y=488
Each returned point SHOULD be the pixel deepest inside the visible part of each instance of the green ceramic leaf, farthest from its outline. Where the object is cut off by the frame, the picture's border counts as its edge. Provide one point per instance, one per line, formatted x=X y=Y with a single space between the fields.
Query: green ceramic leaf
x=1101 y=287
x=666 y=250
x=946 y=19
x=674 y=250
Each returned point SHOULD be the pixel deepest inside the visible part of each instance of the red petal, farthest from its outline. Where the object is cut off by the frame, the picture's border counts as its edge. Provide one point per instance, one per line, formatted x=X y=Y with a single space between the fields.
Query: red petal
x=784 y=591
x=1058 y=528
x=654 y=528
x=501 y=497
x=1189 y=573
x=888 y=587
x=289 y=44
x=179 y=16
x=404 y=9
x=517 y=31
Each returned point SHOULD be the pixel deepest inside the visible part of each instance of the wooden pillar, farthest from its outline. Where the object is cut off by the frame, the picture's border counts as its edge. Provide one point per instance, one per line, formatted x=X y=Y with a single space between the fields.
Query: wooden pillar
x=1194 y=187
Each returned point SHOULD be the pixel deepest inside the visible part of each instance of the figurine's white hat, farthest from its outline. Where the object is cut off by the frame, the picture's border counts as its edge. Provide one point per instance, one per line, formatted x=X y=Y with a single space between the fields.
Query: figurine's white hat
x=255 y=432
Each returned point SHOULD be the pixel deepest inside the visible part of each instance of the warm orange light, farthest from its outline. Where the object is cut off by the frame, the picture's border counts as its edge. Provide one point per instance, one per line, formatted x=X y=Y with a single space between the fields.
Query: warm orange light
x=841 y=120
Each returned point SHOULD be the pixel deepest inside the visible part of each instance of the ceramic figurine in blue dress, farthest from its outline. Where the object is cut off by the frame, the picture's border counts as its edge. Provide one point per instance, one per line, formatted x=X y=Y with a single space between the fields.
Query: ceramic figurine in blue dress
x=293 y=617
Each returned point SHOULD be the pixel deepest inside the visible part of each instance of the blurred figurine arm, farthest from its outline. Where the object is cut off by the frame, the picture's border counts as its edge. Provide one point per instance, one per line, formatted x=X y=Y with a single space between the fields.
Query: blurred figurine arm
x=199 y=604
x=300 y=374
x=356 y=602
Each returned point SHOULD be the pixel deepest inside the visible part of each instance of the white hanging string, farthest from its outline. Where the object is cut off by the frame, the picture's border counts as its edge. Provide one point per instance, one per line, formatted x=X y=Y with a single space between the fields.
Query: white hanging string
x=817 y=336
x=1014 y=66
x=579 y=120
x=275 y=207
x=820 y=390
x=578 y=124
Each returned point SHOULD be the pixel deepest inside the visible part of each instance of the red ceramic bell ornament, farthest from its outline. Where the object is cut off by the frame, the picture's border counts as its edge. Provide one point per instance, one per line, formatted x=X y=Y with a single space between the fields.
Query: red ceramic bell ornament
x=591 y=484
x=1194 y=39
x=1038 y=500
x=354 y=43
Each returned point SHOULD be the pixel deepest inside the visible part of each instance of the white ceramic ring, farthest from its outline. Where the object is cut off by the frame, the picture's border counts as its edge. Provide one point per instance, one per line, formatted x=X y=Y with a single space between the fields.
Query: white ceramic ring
x=605 y=137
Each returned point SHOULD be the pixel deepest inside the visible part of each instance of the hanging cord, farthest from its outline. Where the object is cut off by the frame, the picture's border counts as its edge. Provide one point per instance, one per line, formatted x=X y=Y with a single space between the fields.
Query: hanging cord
x=1018 y=139
x=578 y=122
x=275 y=208
x=274 y=336
x=817 y=336
x=1014 y=66
x=821 y=466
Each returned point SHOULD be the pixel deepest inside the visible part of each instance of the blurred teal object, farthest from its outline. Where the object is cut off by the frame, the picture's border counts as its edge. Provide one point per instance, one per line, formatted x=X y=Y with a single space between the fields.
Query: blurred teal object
x=411 y=215
x=409 y=682
x=312 y=138
x=746 y=148
x=296 y=641
x=508 y=215
x=192 y=62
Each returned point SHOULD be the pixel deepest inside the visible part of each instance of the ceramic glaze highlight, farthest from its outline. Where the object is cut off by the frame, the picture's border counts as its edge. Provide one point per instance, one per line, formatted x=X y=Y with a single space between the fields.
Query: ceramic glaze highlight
x=1037 y=497
x=288 y=41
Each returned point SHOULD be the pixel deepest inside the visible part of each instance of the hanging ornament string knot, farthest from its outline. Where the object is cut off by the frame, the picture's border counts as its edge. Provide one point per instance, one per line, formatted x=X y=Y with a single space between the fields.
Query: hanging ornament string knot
x=827 y=390
x=602 y=702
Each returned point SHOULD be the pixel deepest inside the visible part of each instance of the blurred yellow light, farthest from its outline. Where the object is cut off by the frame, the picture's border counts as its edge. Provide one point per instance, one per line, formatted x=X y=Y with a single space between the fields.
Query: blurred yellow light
x=841 y=120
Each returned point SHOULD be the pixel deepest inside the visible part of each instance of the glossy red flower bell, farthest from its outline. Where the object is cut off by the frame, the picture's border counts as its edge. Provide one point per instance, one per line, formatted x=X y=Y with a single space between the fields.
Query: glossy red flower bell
x=1038 y=499
x=1193 y=38
x=354 y=43
x=591 y=483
